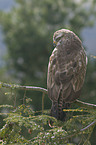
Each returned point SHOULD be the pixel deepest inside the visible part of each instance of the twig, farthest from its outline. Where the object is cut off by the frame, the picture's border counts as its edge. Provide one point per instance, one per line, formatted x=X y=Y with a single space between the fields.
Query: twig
x=24 y=96
x=85 y=105
x=43 y=102
x=81 y=130
x=91 y=124
x=33 y=88
x=13 y=86
x=15 y=98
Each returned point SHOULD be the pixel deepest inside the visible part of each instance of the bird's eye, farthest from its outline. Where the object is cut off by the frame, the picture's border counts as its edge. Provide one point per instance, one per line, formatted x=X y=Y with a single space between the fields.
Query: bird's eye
x=58 y=37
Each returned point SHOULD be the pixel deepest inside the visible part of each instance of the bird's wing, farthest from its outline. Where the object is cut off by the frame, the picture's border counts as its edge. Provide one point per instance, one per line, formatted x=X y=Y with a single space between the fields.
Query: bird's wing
x=80 y=70
x=66 y=73
x=53 y=84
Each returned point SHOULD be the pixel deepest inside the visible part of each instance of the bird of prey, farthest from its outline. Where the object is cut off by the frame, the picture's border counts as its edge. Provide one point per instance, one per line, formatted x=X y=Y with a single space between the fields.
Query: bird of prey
x=66 y=71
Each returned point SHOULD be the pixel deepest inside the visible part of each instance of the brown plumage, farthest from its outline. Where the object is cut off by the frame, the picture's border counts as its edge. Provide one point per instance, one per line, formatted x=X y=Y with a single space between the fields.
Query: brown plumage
x=66 y=71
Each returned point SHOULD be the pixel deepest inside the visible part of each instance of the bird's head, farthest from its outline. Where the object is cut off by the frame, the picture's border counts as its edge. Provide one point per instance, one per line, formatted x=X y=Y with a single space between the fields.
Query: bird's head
x=63 y=33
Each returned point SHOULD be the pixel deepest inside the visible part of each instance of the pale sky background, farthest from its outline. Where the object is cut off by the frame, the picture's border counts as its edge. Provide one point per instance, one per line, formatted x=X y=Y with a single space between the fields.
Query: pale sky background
x=89 y=39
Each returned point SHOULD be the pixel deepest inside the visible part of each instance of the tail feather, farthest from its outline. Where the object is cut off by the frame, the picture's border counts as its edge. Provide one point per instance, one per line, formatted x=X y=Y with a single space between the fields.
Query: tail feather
x=57 y=110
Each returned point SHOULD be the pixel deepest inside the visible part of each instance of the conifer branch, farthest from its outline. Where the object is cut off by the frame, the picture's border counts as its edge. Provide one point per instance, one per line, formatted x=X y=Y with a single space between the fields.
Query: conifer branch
x=43 y=90
x=33 y=88
x=81 y=130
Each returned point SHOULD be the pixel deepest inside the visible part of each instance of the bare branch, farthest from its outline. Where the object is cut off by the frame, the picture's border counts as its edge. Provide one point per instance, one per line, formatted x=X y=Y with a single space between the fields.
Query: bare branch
x=13 y=86
x=85 y=105
x=43 y=90
x=81 y=130
x=91 y=124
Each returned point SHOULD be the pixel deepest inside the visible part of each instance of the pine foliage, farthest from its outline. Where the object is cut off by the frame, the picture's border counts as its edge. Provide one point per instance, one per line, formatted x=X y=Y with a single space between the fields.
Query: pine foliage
x=23 y=125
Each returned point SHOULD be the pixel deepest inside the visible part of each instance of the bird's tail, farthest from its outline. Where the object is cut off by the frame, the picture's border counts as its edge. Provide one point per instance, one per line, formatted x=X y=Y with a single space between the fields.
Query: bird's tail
x=57 y=110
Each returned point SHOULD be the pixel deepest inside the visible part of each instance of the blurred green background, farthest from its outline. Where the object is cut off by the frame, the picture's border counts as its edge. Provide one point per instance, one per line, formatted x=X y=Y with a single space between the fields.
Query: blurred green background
x=27 y=29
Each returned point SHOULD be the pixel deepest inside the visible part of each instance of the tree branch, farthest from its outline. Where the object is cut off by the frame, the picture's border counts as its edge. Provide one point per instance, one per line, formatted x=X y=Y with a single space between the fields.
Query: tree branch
x=43 y=90
x=91 y=124
x=13 y=86
x=85 y=105
x=81 y=130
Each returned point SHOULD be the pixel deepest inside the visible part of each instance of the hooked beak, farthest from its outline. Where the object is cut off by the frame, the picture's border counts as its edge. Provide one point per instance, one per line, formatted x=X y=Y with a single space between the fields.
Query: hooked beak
x=54 y=43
